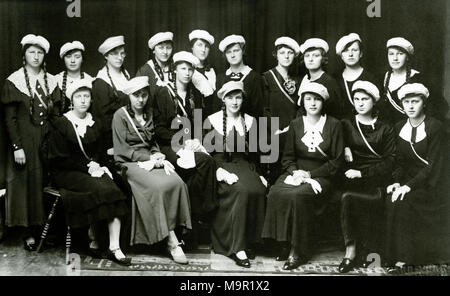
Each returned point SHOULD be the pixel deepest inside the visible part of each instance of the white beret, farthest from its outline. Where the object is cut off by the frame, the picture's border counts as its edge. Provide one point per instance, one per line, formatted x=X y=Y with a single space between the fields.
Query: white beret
x=76 y=85
x=36 y=40
x=347 y=39
x=70 y=46
x=291 y=43
x=231 y=39
x=111 y=43
x=201 y=34
x=158 y=38
x=229 y=87
x=315 y=88
x=314 y=43
x=368 y=87
x=185 y=56
x=402 y=43
x=135 y=84
x=413 y=89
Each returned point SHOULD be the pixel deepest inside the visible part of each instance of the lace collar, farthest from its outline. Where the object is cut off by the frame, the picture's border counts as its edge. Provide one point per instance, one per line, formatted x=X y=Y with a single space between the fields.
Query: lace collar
x=216 y=120
x=245 y=70
x=80 y=123
x=60 y=76
x=120 y=84
x=18 y=79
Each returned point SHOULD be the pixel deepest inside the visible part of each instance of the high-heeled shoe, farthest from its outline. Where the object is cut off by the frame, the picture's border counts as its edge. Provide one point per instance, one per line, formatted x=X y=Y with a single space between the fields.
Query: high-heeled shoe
x=111 y=255
x=346 y=265
x=294 y=262
x=283 y=255
x=240 y=262
x=177 y=254
x=30 y=247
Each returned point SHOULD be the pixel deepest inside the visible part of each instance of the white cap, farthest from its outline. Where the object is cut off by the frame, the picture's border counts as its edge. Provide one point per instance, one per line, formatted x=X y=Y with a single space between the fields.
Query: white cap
x=70 y=46
x=367 y=87
x=291 y=43
x=413 y=89
x=186 y=56
x=158 y=38
x=344 y=41
x=136 y=84
x=229 y=87
x=76 y=85
x=36 y=40
x=231 y=39
x=314 y=43
x=402 y=43
x=201 y=34
x=111 y=43
x=315 y=88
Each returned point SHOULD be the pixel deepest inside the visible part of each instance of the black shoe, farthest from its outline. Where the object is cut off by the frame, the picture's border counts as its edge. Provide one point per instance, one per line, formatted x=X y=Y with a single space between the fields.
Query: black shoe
x=294 y=262
x=283 y=255
x=240 y=262
x=112 y=256
x=346 y=265
x=250 y=254
x=30 y=247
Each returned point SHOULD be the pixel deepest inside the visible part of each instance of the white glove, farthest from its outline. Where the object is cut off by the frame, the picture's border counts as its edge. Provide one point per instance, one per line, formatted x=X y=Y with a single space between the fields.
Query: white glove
x=225 y=176
x=352 y=174
x=147 y=165
x=391 y=188
x=294 y=181
x=316 y=187
x=107 y=171
x=348 y=154
x=263 y=180
x=97 y=173
x=187 y=158
x=168 y=167
x=93 y=166
x=400 y=193
x=301 y=173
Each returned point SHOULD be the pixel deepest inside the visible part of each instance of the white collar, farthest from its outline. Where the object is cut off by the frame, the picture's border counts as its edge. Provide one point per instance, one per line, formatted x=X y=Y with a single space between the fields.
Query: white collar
x=80 y=123
x=317 y=127
x=18 y=79
x=406 y=132
x=60 y=76
x=245 y=70
x=202 y=84
x=216 y=120
x=371 y=123
x=120 y=84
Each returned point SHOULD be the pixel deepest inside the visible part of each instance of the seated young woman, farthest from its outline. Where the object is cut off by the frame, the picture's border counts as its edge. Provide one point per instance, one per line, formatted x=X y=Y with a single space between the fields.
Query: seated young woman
x=88 y=190
x=160 y=197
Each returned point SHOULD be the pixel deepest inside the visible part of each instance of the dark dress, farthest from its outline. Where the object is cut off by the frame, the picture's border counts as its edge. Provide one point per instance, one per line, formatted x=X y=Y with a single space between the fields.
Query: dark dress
x=414 y=225
x=362 y=214
x=290 y=214
x=332 y=106
x=201 y=180
x=160 y=201
x=238 y=222
x=24 y=183
x=253 y=88
x=347 y=110
x=155 y=79
x=62 y=103
x=86 y=199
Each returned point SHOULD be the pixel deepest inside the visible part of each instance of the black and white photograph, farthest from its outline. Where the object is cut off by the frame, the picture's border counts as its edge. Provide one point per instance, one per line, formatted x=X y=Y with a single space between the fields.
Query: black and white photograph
x=225 y=139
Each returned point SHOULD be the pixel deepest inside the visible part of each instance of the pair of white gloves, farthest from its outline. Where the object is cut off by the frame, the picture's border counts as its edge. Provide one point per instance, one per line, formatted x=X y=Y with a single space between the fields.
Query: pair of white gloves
x=223 y=175
x=96 y=171
x=186 y=155
x=157 y=160
x=299 y=177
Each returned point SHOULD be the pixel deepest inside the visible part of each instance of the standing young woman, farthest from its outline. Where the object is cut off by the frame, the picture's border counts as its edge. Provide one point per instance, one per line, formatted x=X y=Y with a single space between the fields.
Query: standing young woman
x=414 y=209
x=233 y=47
x=280 y=93
x=350 y=49
x=204 y=78
x=158 y=67
x=89 y=193
x=312 y=155
x=175 y=104
x=160 y=197
x=238 y=222
x=369 y=153
x=27 y=104
x=314 y=56
x=72 y=53
x=107 y=88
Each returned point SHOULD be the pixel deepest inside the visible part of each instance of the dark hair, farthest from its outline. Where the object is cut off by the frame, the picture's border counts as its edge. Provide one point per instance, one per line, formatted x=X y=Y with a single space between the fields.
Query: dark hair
x=302 y=109
x=361 y=49
x=192 y=42
x=241 y=45
x=389 y=71
x=322 y=52
x=375 y=108
x=147 y=107
x=227 y=155
x=64 y=82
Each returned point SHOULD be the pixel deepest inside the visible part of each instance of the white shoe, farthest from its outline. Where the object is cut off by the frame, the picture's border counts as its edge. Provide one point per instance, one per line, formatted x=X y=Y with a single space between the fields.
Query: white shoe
x=178 y=255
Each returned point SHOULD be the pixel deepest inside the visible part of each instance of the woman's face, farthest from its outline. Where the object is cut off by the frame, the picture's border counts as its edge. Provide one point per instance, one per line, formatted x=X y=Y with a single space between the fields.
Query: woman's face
x=285 y=56
x=363 y=103
x=200 y=49
x=184 y=72
x=73 y=60
x=313 y=104
x=163 y=51
x=233 y=101
x=413 y=106
x=34 y=56
x=352 y=54
x=313 y=59
x=234 y=54
x=139 y=99
x=397 y=58
x=81 y=101
x=116 y=57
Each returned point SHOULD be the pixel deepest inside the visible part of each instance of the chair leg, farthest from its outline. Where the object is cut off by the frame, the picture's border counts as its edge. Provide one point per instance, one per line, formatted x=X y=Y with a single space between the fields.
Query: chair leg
x=47 y=224
x=68 y=243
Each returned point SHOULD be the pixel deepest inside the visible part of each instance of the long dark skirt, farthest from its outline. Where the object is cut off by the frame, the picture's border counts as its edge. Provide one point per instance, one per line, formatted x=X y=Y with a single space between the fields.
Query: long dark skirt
x=291 y=213
x=238 y=222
